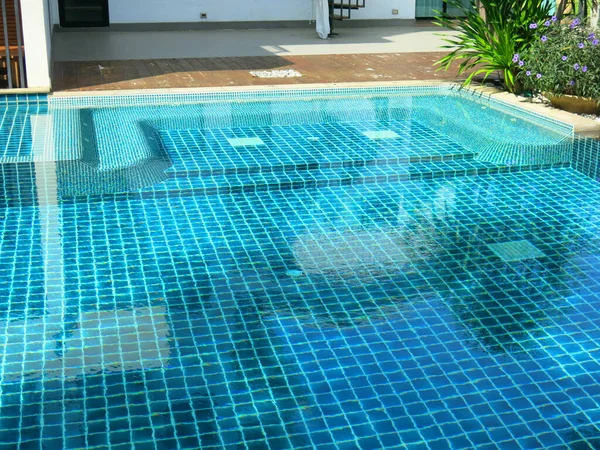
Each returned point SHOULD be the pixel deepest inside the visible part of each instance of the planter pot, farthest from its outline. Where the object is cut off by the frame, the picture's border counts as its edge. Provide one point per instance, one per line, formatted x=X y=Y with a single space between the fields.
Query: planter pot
x=575 y=104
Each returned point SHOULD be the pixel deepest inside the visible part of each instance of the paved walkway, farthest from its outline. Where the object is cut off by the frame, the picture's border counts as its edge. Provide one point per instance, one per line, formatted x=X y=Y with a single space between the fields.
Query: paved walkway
x=101 y=60
x=114 y=45
x=212 y=72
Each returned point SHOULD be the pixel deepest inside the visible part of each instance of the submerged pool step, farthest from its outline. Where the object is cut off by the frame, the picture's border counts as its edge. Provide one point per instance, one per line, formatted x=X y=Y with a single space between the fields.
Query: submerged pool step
x=197 y=152
x=174 y=172
x=320 y=178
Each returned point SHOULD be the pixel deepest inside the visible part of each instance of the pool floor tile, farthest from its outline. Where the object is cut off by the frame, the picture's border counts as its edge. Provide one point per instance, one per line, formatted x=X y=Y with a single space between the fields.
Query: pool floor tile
x=245 y=142
x=382 y=134
x=516 y=251
x=319 y=289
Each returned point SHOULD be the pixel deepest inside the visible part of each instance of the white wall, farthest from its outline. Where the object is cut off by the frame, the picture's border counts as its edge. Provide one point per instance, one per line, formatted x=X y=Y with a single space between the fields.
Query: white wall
x=134 y=11
x=37 y=40
x=382 y=9
x=157 y=11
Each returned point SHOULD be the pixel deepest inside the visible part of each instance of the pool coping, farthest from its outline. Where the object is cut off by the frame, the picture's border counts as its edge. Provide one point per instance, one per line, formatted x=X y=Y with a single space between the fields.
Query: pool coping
x=582 y=125
x=26 y=91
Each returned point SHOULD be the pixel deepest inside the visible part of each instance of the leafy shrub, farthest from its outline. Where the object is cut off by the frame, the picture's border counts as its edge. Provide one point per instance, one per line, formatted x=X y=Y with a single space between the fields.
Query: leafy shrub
x=564 y=59
x=490 y=33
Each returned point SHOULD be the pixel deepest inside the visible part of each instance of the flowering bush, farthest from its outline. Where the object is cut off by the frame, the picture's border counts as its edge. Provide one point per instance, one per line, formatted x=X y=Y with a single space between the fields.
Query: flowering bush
x=564 y=59
x=484 y=44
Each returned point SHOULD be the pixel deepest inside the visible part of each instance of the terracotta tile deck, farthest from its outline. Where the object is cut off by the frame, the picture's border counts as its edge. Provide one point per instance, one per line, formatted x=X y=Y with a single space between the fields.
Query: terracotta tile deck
x=209 y=72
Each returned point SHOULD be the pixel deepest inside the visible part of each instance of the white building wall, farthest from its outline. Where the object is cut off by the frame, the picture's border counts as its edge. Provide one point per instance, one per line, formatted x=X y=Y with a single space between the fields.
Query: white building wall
x=37 y=40
x=382 y=9
x=144 y=11
x=172 y=11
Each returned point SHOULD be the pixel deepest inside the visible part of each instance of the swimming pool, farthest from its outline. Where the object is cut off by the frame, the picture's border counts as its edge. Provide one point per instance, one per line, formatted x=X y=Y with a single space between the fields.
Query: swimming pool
x=332 y=269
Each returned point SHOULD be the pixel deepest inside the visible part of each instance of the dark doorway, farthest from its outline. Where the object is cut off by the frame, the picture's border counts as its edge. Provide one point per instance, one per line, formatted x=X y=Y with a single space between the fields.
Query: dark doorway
x=83 y=13
x=425 y=9
x=428 y=9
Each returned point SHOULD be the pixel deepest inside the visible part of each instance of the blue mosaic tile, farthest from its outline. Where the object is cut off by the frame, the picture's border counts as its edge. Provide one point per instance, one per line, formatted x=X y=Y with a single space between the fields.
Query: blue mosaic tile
x=23 y=131
x=586 y=157
x=123 y=133
x=164 y=289
x=11 y=99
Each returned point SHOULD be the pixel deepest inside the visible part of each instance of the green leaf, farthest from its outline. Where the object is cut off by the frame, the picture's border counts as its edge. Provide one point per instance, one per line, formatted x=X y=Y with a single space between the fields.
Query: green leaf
x=484 y=46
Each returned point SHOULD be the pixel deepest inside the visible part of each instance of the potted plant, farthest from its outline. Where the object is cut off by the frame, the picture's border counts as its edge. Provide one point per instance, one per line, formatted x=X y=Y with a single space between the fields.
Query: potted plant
x=563 y=64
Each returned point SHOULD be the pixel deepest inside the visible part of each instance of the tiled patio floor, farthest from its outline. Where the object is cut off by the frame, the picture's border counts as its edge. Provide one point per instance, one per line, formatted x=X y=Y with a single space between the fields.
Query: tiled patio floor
x=210 y=72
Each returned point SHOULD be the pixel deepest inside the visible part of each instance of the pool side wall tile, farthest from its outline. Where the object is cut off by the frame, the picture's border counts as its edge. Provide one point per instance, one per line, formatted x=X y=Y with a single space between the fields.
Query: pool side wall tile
x=83 y=101
x=586 y=157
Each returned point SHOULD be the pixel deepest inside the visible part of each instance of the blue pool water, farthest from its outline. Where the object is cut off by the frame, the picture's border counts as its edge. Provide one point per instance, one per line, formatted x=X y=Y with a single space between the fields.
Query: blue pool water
x=354 y=270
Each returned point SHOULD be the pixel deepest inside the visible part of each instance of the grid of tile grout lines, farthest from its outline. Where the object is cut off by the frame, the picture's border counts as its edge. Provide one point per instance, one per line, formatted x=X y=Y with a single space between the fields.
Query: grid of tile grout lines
x=146 y=99
x=344 y=317
x=17 y=130
x=324 y=145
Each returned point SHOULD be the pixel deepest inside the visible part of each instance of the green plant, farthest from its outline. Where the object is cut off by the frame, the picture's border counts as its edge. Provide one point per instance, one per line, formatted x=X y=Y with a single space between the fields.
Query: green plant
x=564 y=59
x=488 y=35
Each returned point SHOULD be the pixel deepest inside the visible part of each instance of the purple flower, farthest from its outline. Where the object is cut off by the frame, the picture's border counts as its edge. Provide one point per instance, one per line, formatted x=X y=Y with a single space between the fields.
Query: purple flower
x=564 y=57
x=584 y=69
x=591 y=36
x=516 y=58
x=571 y=83
x=576 y=66
x=581 y=45
x=521 y=63
x=539 y=75
x=574 y=23
x=553 y=18
x=544 y=38
x=547 y=23
x=533 y=26
x=595 y=42
x=528 y=73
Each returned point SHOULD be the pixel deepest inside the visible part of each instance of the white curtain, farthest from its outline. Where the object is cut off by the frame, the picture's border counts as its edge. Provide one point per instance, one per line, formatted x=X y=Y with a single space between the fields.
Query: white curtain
x=322 y=18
